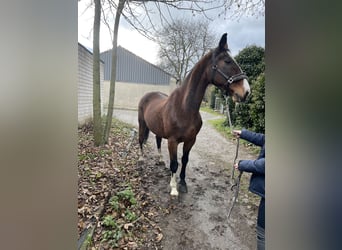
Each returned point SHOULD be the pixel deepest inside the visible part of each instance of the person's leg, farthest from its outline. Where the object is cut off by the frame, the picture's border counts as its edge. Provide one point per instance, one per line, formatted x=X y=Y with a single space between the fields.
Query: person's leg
x=261 y=226
x=260 y=238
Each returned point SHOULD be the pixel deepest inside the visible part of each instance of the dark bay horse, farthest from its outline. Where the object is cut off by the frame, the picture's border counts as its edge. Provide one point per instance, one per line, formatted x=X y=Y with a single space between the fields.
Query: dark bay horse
x=177 y=117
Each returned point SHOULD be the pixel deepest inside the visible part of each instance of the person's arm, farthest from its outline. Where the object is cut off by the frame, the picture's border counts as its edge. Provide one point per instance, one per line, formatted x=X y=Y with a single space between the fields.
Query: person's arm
x=252 y=166
x=255 y=138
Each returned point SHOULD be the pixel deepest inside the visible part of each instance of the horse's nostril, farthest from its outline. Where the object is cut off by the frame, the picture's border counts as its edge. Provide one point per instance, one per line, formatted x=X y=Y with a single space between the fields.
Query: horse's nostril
x=246 y=95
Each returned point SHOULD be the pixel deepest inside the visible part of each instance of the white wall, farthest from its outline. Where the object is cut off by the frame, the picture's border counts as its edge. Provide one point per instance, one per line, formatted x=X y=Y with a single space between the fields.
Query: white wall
x=128 y=95
x=85 y=85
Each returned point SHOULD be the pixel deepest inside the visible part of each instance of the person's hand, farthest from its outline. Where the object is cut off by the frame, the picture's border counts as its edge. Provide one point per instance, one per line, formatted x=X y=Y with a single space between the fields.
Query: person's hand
x=236 y=165
x=237 y=133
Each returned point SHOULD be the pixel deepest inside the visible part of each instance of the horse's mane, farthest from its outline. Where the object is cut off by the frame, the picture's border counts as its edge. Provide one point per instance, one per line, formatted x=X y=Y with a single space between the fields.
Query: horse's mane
x=187 y=77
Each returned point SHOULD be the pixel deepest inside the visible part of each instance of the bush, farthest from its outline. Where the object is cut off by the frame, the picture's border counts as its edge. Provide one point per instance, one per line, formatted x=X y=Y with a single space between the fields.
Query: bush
x=257 y=106
x=251 y=114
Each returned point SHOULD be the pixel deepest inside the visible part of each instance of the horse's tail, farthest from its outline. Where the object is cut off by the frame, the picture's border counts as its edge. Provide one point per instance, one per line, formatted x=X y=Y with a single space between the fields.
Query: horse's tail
x=143 y=129
x=143 y=133
x=146 y=133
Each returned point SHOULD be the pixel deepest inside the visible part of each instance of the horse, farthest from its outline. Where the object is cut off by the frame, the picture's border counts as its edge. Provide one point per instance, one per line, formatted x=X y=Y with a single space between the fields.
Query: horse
x=177 y=117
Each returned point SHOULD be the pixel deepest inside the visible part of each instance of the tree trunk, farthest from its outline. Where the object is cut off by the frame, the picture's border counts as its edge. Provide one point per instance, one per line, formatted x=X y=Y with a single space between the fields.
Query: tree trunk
x=113 y=71
x=98 y=139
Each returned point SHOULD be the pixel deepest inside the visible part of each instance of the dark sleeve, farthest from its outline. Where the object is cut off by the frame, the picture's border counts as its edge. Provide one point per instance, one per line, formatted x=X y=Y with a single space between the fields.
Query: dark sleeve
x=253 y=166
x=255 y=138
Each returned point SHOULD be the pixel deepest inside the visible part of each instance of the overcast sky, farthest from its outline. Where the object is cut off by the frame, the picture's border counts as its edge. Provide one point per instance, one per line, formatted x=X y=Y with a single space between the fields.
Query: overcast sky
x=241 y=33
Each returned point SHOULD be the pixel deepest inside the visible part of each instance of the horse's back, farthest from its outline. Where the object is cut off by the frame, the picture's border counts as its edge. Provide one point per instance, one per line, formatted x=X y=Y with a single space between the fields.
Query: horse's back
x=151 y=100
x=151 y=97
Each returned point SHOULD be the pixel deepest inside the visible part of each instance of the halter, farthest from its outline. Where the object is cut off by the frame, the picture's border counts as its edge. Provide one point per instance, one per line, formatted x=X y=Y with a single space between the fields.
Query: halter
x=229 y=79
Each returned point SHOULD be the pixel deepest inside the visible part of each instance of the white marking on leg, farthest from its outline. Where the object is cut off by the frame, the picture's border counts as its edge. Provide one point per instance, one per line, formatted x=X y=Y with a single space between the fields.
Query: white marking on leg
x=160 y=155
x=173 y=185
x=141 y=159
x=141 y=156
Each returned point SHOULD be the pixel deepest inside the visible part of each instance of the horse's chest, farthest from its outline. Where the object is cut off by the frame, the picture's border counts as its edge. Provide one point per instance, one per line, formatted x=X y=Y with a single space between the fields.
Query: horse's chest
x=189 y=131
x=192 y=131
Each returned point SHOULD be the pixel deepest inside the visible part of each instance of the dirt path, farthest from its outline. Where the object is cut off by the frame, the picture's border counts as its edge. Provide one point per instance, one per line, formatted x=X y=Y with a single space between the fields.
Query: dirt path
x=198 y=219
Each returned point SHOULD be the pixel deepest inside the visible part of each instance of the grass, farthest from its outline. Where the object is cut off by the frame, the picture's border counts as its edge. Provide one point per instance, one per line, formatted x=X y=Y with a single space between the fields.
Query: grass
x=122 y=203
x=218 y=124
x=113 y=233
x=209 y=110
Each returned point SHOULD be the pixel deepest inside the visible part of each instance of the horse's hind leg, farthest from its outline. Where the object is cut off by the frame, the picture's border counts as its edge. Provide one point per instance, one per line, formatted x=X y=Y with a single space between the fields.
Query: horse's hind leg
x=185 y=158
x=160 y=160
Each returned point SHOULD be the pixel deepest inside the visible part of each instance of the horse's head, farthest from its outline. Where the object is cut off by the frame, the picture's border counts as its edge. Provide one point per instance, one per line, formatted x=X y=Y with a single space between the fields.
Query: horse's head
x=227 y=74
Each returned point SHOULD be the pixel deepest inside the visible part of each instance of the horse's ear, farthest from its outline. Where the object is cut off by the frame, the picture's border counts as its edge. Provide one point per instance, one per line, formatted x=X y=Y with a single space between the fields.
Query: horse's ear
x=223 y=42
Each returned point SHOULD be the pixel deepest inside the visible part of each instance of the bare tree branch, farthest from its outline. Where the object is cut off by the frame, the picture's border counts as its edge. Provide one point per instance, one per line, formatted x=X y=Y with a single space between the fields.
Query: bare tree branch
x=181 y=48
x=145 y=15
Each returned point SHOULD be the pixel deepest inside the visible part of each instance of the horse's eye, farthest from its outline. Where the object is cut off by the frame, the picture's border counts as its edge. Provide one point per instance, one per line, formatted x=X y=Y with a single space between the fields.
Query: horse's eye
x=227 y=61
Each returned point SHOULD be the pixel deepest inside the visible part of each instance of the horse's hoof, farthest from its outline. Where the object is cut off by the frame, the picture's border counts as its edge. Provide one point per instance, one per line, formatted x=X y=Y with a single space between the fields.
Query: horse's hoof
x=141 y=160
x=161 y=163
x=174 y=192
x=182 y=187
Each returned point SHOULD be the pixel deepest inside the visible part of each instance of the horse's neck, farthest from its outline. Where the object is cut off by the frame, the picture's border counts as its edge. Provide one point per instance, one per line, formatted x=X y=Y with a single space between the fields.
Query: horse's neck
x=195 y=86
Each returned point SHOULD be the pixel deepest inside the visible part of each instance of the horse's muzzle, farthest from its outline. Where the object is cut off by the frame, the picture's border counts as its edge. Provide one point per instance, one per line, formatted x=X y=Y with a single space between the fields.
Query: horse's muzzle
x=246 y=96
x=247 y=91
x=238 y=98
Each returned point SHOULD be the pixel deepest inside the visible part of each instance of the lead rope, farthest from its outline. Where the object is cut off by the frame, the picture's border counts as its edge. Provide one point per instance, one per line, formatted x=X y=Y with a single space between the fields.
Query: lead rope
x=236 y=182
x=231 y=131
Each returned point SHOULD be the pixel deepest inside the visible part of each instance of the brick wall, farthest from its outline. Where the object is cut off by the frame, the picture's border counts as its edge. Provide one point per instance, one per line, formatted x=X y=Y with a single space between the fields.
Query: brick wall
x=85 y=85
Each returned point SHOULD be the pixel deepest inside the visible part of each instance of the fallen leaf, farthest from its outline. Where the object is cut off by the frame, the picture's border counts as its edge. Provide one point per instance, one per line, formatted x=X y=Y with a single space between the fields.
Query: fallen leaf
x=159 y=237
x=127 y=225
x=132 y=245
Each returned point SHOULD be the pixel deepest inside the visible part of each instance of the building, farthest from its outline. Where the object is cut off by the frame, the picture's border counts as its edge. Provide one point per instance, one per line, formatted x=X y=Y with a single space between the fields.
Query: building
x=85 y=84
x=134 y=78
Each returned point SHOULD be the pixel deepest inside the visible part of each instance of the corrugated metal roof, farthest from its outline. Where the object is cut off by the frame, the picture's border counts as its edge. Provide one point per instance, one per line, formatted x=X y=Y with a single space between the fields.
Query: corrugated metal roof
x=89 y=50
x=132 y=68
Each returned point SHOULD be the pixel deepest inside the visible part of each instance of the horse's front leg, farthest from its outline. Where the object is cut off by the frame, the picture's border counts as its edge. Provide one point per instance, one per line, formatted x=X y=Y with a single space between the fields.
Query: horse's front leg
x=185 y=158
x=172 y=145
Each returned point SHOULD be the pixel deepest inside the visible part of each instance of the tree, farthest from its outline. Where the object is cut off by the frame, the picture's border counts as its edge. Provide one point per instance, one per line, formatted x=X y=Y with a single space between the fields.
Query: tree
x=180 y=48
x=252 y=61
x=147 y=16
x=98 y=139
x=113 y=71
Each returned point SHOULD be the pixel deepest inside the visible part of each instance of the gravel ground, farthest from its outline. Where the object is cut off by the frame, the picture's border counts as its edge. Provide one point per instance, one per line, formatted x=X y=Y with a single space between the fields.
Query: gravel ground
x=198 y=219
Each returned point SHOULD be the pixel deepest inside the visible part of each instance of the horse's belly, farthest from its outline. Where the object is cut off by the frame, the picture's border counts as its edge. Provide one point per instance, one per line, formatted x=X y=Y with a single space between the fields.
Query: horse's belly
x=157 y=129
x=155 y=123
